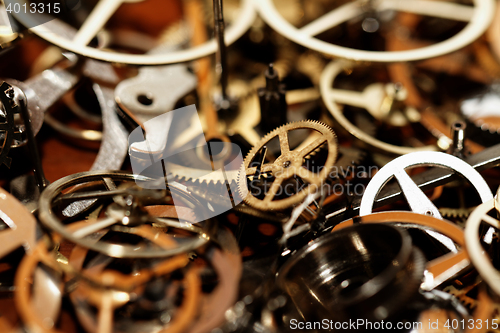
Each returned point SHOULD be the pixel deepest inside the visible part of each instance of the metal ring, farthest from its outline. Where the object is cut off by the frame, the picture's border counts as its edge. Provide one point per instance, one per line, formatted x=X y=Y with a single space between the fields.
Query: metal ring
x=85 y=293
x=45 y=31
x=479 y=20
x=225 y=260
x=50 y=220
x=416 y=198
x=438 y=270
x=22 y=298
x=327 y=78
x=478 y=256
x=324 y=281
x=34 y=322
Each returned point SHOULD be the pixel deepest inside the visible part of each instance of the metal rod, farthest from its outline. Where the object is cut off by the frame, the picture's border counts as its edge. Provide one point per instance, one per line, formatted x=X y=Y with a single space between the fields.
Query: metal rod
x=32 y=146
x=221 y=66
x=261 y=162
x=458 y=136
x=488 y=158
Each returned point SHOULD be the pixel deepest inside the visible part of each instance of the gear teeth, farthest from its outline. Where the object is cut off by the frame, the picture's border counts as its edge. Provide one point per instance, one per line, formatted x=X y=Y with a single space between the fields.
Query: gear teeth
x=242 y=177
x=455 y=212
x=319 y=126
x=196 y=181
x=461 y=295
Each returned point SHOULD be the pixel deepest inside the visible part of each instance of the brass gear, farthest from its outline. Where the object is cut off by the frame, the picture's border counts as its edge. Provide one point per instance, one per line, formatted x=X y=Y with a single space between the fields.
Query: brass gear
x=288 y=165
x=462 y=212
x=200 y=176
x=461 y=293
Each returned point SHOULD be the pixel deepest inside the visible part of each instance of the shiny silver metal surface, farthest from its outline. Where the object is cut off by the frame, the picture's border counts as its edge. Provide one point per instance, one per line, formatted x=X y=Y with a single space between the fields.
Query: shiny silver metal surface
x=417 y=200
x=363 y=271
x=85 y=235
x=114 y=144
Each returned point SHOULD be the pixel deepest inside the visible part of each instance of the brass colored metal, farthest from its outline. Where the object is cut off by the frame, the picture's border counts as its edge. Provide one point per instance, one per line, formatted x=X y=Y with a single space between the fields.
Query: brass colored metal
x=139 y=223
x=23 y=296
x=289 y=165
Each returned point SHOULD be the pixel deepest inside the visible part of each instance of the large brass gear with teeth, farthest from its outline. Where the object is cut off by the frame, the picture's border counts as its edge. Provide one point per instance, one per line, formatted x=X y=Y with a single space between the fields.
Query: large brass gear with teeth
x=287 y=166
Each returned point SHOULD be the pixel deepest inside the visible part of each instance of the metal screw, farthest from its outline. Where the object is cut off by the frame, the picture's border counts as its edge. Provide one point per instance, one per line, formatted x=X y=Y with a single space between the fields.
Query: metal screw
x=458 y=135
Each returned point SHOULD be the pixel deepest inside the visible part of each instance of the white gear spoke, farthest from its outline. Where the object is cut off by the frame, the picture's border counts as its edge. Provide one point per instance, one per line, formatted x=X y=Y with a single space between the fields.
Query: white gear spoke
x=418 y=201
x=302 y=95
x=478 y=19
x=439 y=9
x=332 y=19
x=370 y=98
x=348 y=97
x=101 y=13
x=492 y=221
x=351 y=10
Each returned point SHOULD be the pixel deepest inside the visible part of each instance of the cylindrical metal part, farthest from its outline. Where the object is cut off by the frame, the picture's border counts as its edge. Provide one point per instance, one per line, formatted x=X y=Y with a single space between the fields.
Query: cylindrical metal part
x=458 y=137
x=364 y=271
x=272 y=98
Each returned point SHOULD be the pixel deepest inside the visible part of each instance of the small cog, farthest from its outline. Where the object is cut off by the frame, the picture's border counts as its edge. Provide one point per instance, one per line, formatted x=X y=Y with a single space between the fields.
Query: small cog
x=447 y=212
x=288 y=179
x=200 y=176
